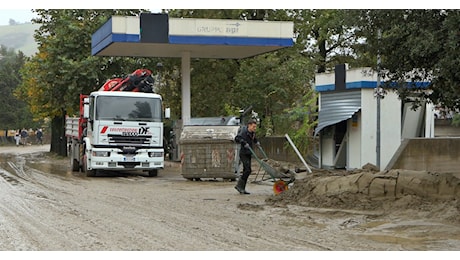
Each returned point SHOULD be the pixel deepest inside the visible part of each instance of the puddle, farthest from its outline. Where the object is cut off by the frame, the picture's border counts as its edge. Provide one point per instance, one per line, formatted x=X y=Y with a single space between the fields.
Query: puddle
x=48 y=167
x=404 y=243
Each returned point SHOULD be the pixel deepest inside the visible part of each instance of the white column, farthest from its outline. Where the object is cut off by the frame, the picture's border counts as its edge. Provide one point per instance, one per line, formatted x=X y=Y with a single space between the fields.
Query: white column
x=429 y=120
x=186 y=114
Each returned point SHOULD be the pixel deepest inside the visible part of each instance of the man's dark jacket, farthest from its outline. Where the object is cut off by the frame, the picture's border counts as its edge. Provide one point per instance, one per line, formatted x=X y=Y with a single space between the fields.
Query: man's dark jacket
x=245 y=137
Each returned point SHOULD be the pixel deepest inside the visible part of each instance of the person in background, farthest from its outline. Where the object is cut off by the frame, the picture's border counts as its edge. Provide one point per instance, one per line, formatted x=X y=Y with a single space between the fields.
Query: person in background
x=24 y=135
x=247 y=138
x=17 y=137
x=39 y=135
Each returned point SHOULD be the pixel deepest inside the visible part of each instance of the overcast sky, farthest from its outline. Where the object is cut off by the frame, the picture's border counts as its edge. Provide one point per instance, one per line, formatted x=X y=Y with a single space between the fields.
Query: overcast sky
x=13 y=9
x=20 y=16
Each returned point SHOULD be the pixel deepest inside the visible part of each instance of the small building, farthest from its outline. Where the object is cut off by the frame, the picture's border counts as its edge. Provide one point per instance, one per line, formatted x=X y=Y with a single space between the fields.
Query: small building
x=349 y=111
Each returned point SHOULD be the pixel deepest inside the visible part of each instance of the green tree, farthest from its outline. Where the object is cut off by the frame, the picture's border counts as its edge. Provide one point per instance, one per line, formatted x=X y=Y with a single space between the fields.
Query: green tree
x=15 y=113
x=272 y=83
x=269 y=82
x=415 y=46
x=303 y=114
x=325 y=36
x=63 y=68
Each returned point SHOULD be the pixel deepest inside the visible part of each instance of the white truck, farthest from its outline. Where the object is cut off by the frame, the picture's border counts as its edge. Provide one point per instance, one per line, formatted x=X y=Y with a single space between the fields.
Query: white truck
x=119 y=128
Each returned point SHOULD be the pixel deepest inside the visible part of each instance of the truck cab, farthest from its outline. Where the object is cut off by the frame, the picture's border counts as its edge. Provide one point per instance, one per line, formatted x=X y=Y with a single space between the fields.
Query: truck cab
x=119 y=131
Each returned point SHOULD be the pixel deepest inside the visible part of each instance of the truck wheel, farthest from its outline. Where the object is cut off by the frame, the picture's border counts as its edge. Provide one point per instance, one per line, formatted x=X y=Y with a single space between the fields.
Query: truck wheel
x=89 y=173
x=153 y=173
x=74 y=165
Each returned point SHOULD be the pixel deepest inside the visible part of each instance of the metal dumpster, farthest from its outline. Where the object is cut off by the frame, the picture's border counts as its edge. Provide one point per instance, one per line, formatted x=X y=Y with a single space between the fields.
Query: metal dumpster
x=209 y=152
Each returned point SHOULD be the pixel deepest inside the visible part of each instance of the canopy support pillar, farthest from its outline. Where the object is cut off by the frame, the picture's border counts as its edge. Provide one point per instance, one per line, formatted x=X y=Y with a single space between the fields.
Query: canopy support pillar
x=186 y=114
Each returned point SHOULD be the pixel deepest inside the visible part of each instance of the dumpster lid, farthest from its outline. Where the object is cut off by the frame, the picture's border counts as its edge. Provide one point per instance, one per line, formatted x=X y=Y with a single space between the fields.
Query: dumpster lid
x=225 y=120
x=209 y=132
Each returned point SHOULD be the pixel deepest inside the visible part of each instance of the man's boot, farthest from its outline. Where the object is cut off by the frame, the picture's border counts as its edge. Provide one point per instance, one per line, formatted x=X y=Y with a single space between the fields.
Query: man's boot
x=241 y=186
x=244 y=188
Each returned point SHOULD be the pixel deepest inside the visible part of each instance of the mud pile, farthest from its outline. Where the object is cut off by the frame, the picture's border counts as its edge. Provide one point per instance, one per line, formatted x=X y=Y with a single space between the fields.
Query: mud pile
x=369 y=189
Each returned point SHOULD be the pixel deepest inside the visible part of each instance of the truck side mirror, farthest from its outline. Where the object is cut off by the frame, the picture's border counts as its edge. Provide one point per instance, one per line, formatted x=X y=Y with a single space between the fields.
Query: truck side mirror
x=168 y=112
x=86 y=107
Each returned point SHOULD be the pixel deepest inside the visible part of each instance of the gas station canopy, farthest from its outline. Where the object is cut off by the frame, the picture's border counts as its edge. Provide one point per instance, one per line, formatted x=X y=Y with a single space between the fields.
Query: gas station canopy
x=157 y=35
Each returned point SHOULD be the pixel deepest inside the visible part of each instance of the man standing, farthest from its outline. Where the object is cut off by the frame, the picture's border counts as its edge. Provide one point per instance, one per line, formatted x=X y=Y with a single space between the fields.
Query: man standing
x=39 y=135
x=17 y=138
x=247 y=138
x=24 y=135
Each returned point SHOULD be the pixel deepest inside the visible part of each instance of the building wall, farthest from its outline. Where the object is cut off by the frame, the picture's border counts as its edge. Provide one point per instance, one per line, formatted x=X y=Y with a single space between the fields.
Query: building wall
x=412 y=121
x=325 y=78
x=354 y=146
x=362 y=130
x=390 y=127
x=444 y=128
x=369 y=128
x=429 y=120
x=327 y=146
x=440 y=154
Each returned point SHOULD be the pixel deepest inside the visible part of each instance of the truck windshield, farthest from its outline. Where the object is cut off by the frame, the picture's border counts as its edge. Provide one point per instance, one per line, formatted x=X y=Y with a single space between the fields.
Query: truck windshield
x=128 y=108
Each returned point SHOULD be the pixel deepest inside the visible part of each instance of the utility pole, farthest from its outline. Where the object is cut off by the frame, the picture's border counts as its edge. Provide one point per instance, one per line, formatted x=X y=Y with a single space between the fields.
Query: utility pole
x=378 y=94
x=159 y=69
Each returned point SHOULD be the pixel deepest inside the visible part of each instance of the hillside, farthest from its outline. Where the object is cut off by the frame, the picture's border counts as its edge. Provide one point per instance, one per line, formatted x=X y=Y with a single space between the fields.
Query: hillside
x=20 y=37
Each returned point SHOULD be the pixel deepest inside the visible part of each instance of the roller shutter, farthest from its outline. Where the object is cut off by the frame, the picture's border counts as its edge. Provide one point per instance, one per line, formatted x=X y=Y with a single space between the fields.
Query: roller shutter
x=337 y=107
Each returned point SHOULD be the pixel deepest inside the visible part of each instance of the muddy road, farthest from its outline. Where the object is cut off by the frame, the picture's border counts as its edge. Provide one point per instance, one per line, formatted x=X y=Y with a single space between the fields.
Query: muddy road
x=45 y=206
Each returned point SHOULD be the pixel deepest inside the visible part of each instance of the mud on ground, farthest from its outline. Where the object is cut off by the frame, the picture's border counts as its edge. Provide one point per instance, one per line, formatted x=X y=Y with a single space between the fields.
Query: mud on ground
x=434 y=195
x=45 y=206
